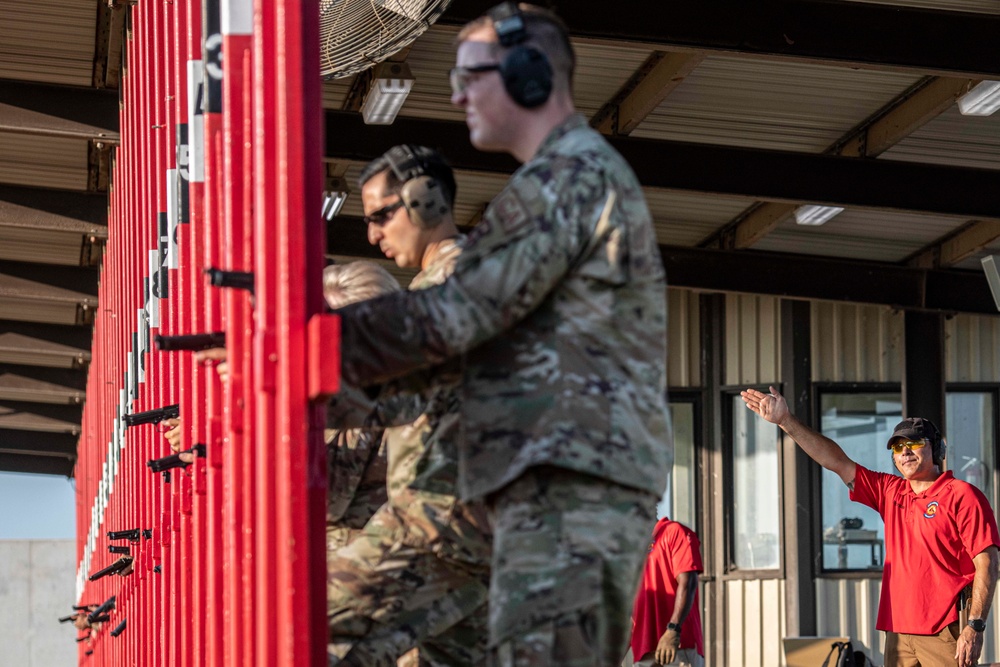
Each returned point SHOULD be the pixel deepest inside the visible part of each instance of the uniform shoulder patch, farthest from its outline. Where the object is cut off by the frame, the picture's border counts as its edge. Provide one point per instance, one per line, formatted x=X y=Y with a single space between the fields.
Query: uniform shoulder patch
x=509 y=212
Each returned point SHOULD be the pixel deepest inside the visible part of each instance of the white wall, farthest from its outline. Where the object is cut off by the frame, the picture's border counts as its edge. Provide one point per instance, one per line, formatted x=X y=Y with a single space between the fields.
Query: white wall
x=37 y=588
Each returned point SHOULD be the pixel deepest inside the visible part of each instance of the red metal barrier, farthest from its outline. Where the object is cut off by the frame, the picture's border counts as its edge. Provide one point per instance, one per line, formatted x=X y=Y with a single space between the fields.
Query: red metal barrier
x=218 y=166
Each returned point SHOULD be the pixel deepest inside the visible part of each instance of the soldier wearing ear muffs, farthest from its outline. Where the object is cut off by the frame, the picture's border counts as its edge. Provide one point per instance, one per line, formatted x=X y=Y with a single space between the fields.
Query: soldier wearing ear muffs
x=557 y=305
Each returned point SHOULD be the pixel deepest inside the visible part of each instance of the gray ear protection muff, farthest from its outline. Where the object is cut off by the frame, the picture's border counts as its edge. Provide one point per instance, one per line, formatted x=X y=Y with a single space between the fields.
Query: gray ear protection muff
x=525 y=71
x=422 y=194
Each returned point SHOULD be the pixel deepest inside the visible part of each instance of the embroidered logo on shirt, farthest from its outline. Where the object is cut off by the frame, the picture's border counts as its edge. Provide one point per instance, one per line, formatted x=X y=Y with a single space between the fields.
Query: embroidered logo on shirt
x=932 y=508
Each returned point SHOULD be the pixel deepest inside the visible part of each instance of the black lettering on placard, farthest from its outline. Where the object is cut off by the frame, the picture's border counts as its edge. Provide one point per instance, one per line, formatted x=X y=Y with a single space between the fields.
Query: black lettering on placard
x=161 y=286
x=183 y=174
x=212 y=29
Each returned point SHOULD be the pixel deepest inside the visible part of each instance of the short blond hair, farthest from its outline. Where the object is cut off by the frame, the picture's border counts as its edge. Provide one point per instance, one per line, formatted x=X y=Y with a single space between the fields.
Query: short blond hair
x=344 y=284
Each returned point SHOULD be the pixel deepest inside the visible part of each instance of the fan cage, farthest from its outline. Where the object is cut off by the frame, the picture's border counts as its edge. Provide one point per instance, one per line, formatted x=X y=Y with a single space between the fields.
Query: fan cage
x=358 y=34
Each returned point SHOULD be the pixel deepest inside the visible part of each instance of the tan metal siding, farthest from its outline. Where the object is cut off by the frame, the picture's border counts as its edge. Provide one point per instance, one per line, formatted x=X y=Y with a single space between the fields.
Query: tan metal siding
x=856 y=343
x=683 y=339
x=755 y=622
x=972 y=349
x=848 y=608
x=752 y=339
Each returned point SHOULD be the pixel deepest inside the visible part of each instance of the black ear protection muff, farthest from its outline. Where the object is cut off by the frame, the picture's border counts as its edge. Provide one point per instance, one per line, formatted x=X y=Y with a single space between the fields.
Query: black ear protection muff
x=526 y=71
x=421 y=194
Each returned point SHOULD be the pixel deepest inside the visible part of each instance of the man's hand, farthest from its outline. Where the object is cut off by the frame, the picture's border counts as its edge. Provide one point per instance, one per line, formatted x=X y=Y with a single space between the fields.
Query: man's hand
x=173 y=433
x=969 y=647
x=772 y=407
x=217 y=356
x=667 y=647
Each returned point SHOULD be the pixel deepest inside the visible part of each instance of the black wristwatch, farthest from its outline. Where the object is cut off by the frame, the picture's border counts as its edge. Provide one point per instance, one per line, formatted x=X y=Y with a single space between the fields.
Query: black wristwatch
x=977 y=624
x=677 y=626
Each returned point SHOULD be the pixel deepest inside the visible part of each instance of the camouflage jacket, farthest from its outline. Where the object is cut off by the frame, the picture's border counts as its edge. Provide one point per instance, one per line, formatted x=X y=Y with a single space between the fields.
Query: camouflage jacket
x=423 y=455
x=559 y=301
x=420 y=414
x=356 y=467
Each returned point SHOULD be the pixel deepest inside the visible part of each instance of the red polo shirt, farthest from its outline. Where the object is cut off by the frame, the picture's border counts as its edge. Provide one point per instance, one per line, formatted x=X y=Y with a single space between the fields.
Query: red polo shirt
x=675 y=549
x=930 y=540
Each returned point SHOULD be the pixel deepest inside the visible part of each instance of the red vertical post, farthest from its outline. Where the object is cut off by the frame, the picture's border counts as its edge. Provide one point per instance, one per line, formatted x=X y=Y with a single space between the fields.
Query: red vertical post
x=237 y=31
x=288 y=259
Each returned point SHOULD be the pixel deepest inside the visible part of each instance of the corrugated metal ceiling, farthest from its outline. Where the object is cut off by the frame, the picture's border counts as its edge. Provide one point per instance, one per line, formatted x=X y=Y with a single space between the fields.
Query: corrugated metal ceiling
x=48 y=41
x=48 y=162
x=953 y=139
x=757 y=103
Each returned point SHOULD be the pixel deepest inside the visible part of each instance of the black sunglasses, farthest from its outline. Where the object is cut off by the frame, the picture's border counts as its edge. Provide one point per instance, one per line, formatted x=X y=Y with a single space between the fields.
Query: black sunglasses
x=381 y=216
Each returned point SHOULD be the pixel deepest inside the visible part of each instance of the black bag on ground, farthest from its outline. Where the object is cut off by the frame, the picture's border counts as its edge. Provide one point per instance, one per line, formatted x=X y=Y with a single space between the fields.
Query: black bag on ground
x=844 y=655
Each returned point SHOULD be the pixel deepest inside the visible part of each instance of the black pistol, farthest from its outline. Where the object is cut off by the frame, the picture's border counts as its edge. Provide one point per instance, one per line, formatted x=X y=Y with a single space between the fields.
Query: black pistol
x=108 y=606
x=174 y=460
x=234 y=279
x=191 y=342
x=153 y=416
x=115 y=568
x=132 y=535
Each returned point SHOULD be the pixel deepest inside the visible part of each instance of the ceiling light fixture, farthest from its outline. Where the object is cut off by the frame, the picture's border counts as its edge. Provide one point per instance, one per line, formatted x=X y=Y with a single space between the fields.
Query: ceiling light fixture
x=982 y=100
x=334 y=196
x=990 y=268
x=391 y=83
x=812 y=214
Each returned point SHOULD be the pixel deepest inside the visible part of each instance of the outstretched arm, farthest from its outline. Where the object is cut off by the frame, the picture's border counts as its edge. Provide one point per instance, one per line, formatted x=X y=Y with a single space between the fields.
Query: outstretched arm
x=821 y=449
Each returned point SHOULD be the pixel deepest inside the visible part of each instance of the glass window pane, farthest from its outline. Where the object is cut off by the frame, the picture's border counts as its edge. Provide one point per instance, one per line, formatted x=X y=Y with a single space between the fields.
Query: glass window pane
x=853 y=534
x=756 y=511
x=679 y=499
x=969 y=419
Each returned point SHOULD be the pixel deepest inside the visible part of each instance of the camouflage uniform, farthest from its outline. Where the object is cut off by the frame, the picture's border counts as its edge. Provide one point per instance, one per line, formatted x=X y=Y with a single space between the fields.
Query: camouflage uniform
x=559 y=302
x=419 y=571
x=357 y=464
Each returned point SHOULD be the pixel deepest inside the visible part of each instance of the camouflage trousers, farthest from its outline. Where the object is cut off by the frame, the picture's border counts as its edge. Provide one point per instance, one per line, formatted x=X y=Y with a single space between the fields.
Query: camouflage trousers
x=385 y=597
x=568 y=550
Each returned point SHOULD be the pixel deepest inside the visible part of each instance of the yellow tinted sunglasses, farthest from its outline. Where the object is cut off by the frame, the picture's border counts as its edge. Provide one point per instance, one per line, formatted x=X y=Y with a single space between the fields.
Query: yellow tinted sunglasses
x=909 y=444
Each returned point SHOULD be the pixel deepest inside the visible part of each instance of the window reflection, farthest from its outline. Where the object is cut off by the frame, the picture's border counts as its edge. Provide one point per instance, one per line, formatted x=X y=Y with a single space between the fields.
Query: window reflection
x=969 y=433
x=756 y=512
x=861 y=424
x=679 y=499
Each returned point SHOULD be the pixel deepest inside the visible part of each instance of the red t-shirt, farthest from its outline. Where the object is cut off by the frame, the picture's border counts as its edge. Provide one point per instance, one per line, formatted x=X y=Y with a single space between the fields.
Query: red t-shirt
x=675 y=549
x=930 y=540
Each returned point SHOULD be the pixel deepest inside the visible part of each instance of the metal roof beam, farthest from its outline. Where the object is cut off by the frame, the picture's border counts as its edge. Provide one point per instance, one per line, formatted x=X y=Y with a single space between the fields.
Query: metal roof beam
x=58 y=111
x=961 y=244
x=852 y=34
x=57 y=464
x=40 y=418
x=779 y=274
x=763 y=174
x=644 y=91
x=42 y=385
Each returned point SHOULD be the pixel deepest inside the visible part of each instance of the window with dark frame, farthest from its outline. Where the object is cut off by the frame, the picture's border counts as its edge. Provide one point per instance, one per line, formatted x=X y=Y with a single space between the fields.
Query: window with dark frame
x=753 y=487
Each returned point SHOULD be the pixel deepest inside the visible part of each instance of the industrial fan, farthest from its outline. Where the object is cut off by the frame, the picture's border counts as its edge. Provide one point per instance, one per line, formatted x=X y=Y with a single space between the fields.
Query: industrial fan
x=357 y=34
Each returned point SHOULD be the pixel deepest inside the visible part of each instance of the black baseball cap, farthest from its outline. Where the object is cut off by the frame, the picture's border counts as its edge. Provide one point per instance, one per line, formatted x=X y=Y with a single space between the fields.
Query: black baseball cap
x=914 y=428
